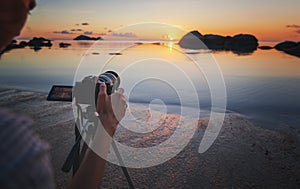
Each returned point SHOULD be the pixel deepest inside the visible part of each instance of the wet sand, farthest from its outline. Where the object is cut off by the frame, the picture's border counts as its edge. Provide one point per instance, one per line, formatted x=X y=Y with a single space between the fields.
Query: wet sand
x=243 y=156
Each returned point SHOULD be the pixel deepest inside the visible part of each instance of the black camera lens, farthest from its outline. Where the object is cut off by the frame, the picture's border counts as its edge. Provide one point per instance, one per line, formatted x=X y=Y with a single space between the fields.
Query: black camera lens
x=110 y=77
x=112 y=81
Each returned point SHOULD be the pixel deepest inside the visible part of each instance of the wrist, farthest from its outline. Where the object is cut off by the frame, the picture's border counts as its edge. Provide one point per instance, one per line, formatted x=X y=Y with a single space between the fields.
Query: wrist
x=102 y=140
x=109 y=125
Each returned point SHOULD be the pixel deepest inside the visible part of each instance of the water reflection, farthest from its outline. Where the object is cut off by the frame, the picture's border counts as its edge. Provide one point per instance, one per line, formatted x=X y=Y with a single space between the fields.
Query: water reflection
x=84 y=44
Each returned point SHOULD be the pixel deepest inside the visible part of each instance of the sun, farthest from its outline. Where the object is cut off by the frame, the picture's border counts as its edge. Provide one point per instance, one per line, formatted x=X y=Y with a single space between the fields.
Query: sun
x=169 y=37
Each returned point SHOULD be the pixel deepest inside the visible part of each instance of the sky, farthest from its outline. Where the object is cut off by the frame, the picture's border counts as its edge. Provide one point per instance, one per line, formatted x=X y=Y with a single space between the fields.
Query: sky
x=268 y=20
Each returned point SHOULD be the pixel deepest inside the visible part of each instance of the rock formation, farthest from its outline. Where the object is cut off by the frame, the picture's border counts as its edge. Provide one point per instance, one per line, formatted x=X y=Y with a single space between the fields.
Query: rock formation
x=84 y=37
x=64 y=45
x=242 y=43
x=289 y=47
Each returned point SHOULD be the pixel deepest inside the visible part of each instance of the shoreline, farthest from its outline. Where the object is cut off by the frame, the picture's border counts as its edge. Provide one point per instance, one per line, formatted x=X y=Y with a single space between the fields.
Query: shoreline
x=243 y=155
x=256 y=119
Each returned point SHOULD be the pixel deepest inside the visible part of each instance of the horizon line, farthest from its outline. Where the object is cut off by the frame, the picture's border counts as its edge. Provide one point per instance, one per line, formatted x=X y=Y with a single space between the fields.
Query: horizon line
x=140 y=39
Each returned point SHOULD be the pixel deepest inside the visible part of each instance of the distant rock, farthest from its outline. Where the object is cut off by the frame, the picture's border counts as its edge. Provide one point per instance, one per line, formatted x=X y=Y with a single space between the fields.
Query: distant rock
x=196 y=34
x=289 y=47
x=115 y=53
x=14 y=45
x=156 y=43
x=285 y=45
x=191 y=41
x=215 y=42
x=64 y=45
x=23 y=43
x=265 y=47
x=36 y=48
x=84 y=37
x=294 y=51
x=37 y=42
x=242 y=43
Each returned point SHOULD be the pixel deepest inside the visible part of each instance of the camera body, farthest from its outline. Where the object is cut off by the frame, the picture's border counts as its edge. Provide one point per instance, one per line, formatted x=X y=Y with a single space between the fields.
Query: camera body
x=86 y=91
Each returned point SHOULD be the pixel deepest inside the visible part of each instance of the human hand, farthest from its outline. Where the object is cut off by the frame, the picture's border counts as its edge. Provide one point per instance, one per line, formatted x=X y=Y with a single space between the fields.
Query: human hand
x=111 y=109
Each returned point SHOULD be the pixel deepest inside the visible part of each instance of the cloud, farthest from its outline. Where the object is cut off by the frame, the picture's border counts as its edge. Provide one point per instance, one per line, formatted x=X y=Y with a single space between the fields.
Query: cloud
x=85 y=24
x=76 y=30
x=88 y=33
x=293 y=26
x=63 y=32
x=129 y=34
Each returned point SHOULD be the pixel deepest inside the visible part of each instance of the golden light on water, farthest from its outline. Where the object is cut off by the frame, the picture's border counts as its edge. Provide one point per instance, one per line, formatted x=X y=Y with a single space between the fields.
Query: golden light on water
x=170 y=45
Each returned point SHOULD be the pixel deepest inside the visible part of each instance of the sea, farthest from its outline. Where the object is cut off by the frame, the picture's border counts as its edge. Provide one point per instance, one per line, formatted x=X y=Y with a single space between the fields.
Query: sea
x=264 y=85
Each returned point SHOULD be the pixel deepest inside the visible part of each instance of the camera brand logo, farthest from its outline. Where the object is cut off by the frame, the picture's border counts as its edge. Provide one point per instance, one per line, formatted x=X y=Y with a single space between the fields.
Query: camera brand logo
x=164 y=86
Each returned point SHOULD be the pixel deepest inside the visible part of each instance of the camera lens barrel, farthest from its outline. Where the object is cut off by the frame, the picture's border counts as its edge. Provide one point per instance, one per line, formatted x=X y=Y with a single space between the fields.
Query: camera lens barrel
x=110 y=77
x=112 y=81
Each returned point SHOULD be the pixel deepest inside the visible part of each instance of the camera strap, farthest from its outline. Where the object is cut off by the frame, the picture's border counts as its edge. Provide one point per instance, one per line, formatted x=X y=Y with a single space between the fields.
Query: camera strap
x=72 y=159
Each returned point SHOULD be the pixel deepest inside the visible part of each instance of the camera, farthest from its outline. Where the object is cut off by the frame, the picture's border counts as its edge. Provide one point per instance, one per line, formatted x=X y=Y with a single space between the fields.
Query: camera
x=86 y=91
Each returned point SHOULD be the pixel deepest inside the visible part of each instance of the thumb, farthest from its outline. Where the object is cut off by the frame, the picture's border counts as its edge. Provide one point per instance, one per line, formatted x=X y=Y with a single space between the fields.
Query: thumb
x=102 y=97
x=102 y=89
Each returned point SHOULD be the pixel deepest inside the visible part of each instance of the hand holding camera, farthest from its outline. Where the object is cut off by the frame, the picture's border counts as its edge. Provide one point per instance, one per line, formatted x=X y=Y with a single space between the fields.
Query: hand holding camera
x=101 y=94
x=111 y=109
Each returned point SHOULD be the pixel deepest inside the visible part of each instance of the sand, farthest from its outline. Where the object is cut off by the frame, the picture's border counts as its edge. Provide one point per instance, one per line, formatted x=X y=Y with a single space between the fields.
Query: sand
x=243 y=156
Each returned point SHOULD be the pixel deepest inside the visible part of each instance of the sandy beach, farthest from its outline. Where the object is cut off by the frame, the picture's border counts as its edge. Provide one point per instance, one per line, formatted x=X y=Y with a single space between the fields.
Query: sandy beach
x=243 y=156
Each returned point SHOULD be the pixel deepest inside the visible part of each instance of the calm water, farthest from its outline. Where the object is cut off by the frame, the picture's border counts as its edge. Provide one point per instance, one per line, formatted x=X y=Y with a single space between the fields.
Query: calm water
x=264 y=86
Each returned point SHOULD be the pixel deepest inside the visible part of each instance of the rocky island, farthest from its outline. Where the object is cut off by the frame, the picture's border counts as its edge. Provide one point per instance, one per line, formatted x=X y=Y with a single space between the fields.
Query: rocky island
x=64 y=45
x=289 y=47
x=84 y=37
x=241 y=43
x=35 y=43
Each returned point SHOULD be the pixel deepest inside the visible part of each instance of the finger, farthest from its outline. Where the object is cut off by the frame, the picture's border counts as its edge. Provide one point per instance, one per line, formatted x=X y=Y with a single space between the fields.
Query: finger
x=120 y=90
x=124 y=98
x=102 y=88
x=102 y=98
x=123 y=111
x=122 y=101
x=118 y=105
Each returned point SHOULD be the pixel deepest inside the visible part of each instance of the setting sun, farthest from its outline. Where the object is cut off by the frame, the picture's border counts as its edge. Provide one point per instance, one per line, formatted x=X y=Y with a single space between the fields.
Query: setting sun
x=170 y=38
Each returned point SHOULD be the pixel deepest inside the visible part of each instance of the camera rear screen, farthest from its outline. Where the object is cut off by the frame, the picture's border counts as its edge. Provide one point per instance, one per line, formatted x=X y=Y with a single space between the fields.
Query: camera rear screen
x=60 y=93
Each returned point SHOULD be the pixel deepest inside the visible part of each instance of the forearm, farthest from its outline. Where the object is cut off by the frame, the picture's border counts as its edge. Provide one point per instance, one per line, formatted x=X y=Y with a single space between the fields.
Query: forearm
x=91 y=170
x=90 y=173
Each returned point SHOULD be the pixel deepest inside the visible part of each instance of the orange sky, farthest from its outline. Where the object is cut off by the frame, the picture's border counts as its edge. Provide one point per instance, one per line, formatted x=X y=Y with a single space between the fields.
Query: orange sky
x=267 y=20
